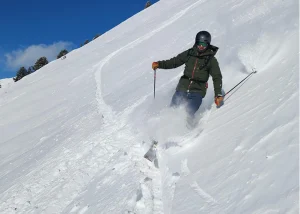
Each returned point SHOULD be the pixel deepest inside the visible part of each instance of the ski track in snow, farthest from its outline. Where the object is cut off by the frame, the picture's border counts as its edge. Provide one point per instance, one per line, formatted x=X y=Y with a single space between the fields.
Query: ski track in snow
x=150 y=194
x=204 y=195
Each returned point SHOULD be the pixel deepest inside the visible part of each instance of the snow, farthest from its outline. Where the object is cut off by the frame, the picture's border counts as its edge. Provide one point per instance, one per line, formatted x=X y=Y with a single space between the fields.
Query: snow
x=5 y=83
x=73 y=134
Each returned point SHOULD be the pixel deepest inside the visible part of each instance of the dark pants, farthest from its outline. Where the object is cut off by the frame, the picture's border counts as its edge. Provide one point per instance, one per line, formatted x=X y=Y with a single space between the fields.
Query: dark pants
x=191 y=99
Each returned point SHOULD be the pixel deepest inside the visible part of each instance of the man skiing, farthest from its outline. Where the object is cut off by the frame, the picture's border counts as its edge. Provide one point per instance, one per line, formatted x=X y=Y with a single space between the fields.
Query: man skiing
x=200 y=62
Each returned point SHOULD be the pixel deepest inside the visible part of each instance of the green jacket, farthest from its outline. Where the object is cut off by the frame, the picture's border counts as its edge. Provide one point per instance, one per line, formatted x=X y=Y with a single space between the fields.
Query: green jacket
x=197 y=69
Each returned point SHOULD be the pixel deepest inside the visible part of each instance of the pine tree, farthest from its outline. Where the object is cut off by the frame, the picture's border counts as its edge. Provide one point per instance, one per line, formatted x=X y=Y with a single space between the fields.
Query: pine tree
x=30 y=70
x=62 y=53
x=40 y=63
x=22 y=72
x=148 y=4
x=97 y=35
x=86 y=41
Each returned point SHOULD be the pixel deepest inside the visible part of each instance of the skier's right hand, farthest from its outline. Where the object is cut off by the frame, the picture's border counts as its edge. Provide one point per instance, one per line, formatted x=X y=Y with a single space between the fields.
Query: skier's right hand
x=154 y=65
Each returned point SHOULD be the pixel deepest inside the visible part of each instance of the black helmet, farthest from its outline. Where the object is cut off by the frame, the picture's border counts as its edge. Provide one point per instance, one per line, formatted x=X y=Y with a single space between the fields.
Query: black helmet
x=203 y=36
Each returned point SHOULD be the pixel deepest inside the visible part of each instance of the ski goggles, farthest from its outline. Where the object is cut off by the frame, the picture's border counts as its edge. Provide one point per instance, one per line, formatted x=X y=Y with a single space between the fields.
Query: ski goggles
x=203 y=44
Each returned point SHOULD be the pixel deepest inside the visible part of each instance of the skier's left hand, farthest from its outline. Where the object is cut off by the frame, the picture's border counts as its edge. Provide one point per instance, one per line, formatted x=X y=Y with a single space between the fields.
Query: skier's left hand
x=219 y=101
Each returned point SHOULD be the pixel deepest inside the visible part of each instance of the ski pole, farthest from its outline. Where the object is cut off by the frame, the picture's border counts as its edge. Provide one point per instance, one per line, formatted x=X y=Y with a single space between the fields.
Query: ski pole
x=154 y=81
x=253 y=72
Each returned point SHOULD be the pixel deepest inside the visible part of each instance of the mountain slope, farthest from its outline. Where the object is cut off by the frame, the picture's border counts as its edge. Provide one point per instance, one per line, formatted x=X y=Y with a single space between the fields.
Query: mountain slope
x=72 y=133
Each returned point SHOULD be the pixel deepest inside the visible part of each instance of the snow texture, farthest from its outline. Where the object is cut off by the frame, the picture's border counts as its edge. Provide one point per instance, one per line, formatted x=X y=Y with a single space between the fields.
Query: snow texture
x=6 y=83
x=73 y=134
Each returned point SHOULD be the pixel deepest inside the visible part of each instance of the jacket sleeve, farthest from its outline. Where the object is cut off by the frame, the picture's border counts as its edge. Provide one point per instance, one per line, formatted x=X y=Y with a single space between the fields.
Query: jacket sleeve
x=174 y=62
x=215 y=72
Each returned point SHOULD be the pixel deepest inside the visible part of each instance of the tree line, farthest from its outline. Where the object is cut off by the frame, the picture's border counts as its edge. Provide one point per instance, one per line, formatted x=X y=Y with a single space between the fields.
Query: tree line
x=41 y=62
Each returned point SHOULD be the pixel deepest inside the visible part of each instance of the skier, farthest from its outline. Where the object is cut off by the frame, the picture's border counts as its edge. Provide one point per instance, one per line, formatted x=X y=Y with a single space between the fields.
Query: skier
x=200 y=62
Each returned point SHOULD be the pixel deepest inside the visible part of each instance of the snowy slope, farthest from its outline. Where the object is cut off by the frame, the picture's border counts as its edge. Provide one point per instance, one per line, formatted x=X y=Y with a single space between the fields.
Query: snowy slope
x=5 y=83
x=73 y=134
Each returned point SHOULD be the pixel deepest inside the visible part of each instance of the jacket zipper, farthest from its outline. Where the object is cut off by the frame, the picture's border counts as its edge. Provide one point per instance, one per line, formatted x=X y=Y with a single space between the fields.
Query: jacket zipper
x=192 y=75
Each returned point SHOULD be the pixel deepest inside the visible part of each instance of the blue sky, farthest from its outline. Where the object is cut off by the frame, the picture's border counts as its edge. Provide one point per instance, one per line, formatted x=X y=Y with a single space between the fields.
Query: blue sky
x=31 y=28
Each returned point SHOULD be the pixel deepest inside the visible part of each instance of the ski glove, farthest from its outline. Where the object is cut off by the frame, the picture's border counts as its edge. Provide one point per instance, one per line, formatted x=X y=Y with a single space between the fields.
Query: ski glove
x=219 y=101
x=154 y=65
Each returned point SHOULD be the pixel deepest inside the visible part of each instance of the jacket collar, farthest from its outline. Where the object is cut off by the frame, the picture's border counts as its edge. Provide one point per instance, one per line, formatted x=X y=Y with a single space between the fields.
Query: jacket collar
x=211 y=50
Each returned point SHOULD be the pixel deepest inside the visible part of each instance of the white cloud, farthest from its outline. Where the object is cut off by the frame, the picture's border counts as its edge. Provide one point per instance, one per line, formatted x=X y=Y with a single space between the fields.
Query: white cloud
x=28 y=56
